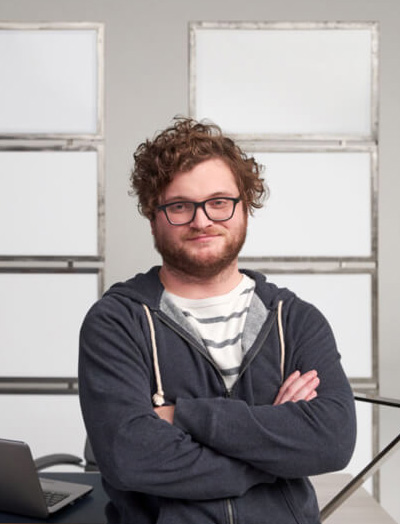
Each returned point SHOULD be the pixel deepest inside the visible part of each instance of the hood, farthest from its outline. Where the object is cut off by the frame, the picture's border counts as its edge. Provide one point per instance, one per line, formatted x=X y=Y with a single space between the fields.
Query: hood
x=146 y=288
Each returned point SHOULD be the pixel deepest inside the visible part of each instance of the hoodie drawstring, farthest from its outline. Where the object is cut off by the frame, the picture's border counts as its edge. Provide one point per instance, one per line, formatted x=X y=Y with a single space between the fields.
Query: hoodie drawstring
x=281 y=339
x=158 y=397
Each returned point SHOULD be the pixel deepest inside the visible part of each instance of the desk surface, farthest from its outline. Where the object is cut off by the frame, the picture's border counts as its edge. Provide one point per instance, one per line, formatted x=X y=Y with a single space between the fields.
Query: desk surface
x=360 y=508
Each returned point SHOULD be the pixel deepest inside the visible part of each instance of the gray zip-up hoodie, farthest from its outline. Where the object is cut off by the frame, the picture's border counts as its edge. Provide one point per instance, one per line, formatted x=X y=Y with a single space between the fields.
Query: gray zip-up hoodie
x=230 y=457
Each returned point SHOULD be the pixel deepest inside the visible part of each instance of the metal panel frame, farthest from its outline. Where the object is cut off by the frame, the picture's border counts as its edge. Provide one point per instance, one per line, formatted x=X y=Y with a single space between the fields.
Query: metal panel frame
x=195 y=27
x=47 y=384
x=65 y=26
x=314 y=143
x=60 y=264
x=38 y=386
x=95 y=147
x=369 y=147
x=317 y=143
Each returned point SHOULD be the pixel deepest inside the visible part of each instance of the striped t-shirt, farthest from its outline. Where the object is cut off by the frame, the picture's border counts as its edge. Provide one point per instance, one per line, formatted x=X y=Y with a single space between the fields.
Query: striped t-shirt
x=220 y=322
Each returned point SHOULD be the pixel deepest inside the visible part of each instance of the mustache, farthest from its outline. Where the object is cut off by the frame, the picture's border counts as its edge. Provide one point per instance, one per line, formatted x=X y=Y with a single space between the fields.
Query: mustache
x=211 y=230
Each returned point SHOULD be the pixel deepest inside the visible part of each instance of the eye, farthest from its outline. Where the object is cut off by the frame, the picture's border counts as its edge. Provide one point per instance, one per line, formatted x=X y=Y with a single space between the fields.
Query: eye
x=218 y=203
x=179 y=207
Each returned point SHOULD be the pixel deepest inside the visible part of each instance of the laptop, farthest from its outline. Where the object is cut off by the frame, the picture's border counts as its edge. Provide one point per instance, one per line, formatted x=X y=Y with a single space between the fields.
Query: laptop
x=22 y=491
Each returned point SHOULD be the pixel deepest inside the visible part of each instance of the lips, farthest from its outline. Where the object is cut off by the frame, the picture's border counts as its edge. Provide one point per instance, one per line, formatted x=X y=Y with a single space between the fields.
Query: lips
x=203 y=235
x=202 y=238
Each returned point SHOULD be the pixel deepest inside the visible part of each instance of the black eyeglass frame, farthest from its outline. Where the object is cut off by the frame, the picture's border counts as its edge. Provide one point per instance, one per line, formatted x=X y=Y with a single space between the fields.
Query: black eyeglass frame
x=196 y=205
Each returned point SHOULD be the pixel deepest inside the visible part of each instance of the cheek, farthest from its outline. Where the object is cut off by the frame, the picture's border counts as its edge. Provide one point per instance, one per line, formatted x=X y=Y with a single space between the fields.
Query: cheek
x=164 y=232
x=240 y=220
x=159 y=225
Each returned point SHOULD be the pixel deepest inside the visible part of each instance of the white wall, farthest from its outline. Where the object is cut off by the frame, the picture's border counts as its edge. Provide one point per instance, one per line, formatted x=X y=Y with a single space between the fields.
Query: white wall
x=147 y=84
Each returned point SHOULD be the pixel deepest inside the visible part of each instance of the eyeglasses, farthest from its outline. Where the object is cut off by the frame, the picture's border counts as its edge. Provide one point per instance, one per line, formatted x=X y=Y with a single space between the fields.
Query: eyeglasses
x=216 y=209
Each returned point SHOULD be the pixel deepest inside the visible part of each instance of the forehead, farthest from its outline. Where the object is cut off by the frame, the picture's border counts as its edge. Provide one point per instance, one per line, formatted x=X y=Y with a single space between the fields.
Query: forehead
x=211 y=177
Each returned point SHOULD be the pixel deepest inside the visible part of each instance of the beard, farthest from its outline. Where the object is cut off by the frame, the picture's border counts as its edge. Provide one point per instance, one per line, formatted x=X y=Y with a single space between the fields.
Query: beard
x=179 y=259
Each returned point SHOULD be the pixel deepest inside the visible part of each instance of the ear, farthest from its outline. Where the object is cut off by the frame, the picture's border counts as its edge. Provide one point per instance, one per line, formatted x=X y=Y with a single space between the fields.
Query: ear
x=152 y=225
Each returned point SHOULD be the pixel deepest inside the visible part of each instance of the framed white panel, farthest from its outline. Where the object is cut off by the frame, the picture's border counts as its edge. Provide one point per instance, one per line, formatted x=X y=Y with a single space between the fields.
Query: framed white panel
x=48 y=423
x=50 y=79
x=40 y=319
x=291 y=79
x=49 y=203
x=346 y=302
x=320 y=205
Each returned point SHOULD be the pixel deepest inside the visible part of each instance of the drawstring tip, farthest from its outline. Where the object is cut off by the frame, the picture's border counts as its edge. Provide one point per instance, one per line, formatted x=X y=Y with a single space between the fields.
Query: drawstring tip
x=158 y=400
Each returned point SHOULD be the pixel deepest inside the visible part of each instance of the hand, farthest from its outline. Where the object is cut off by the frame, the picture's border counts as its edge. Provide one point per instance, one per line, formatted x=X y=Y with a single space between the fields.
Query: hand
x=166 y=413
x=298 y=387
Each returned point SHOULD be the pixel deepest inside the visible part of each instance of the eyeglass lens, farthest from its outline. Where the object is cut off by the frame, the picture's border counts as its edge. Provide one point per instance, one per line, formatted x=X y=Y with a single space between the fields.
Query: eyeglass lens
x=217 y=209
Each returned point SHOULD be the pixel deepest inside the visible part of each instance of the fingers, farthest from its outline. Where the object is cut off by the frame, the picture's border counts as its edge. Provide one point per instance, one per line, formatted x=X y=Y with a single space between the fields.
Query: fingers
x=286 y=385
x=311 y=396
x=298 y=387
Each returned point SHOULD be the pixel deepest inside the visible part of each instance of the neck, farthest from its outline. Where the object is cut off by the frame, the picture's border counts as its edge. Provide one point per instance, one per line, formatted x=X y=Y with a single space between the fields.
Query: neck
x=189 y=286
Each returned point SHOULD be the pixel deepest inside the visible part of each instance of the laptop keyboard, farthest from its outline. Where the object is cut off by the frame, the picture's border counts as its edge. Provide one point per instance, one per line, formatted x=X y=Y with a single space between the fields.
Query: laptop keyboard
x=53 y=497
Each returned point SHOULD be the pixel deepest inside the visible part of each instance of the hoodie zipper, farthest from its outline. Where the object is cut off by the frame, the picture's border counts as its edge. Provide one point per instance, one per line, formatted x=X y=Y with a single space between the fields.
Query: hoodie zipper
x=254 y=353
x=228 y=393
x=230 y=511
x=197 y=347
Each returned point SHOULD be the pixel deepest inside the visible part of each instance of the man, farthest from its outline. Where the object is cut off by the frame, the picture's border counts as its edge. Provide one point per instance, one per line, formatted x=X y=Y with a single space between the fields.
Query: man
x=209 y=394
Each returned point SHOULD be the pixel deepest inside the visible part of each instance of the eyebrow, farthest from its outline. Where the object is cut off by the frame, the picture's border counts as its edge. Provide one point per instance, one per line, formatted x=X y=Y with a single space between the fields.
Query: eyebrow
x=181 y=198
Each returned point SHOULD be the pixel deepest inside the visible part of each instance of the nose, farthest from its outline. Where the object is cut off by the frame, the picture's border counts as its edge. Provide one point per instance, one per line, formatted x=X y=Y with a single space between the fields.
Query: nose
x=200 y=220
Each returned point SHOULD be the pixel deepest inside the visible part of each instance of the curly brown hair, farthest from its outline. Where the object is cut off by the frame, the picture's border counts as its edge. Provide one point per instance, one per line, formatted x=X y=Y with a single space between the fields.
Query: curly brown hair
x=180 y=148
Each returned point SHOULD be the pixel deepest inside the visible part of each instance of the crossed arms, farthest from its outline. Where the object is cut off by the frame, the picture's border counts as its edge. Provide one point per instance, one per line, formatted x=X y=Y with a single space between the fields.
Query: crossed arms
x=296 y=387
x=195 y=457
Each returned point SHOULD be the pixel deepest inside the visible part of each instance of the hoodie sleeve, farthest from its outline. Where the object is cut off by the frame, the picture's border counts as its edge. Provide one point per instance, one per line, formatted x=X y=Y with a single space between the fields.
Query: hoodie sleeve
x=134 y=448
x=293 y=439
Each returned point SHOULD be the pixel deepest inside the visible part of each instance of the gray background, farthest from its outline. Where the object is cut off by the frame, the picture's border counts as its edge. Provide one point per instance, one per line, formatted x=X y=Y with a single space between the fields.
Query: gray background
x=146 y=84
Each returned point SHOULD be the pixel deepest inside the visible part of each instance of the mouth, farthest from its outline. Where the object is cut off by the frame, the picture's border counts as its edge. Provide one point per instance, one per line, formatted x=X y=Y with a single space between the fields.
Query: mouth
x=203 y=237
